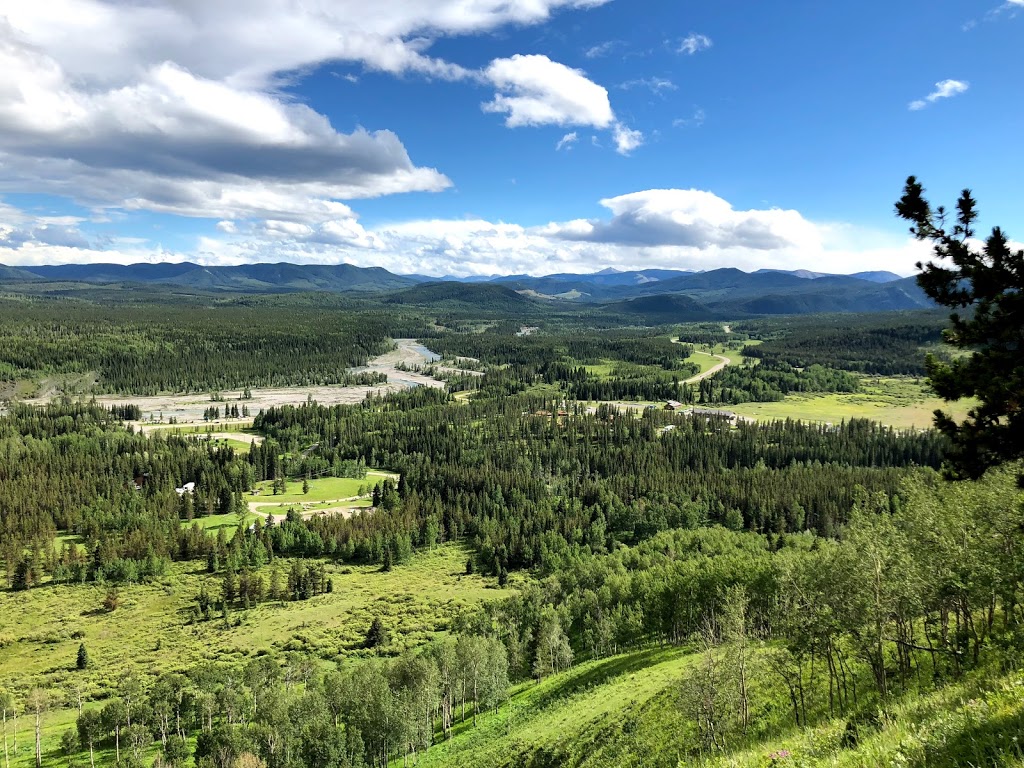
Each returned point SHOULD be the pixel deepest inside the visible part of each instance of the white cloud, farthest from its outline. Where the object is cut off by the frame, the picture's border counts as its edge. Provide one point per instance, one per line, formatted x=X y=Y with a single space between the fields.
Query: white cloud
x=693 y=43
x=680 y=229
x=179 y=107
x=694 y=121
x=567 y=141
x=534 y=90
x=689 y=218
x=626 y=139
x=653 y=84
x=602 y=49
x=944 y=89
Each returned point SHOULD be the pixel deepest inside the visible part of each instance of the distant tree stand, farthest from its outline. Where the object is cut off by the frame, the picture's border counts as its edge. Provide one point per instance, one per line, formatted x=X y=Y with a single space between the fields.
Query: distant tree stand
x=989 y=284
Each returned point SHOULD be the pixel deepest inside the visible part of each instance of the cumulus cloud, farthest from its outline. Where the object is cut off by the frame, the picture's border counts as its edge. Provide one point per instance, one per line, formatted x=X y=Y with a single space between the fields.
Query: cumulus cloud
x=693 y=43
x=534 y=90
x=18 y=229
x=689 y=218
x=179 y=107
x=944 y=89
x=250 y=42
x=626 y=139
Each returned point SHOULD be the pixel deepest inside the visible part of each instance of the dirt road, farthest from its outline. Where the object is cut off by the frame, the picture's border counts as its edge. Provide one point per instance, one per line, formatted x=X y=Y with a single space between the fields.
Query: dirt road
x=710 y=371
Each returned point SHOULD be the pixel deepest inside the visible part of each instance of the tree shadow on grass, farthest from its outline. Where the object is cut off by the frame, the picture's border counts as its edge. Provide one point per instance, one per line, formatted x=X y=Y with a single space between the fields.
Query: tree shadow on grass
x=993 y=742
x=603 y=671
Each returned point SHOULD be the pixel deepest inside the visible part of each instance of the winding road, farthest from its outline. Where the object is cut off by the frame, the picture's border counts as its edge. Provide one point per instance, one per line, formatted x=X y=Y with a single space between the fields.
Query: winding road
x=710 y=371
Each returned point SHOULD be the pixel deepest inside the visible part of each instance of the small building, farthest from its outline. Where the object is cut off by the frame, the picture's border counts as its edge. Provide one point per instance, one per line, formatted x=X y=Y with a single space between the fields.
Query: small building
x=673 y=405
x=186 y=488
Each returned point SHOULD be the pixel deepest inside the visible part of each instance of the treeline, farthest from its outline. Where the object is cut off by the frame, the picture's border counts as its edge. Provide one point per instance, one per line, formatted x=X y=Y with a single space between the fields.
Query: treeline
x=881 y=346
x=626 y=382
x=501 y=347
x=145 y=350
x=768 y=382
x=527 y=484
x=74 y=468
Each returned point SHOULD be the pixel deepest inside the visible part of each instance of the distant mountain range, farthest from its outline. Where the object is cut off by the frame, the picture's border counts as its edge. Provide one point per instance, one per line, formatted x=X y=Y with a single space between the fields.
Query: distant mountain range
x=659 y=295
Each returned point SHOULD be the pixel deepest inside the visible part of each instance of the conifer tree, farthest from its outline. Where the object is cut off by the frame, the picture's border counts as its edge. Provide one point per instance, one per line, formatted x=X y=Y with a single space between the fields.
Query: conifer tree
x=987 y=282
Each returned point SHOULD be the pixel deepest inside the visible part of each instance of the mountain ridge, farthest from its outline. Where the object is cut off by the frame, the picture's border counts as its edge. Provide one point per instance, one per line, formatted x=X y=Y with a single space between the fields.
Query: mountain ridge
x=711 y=293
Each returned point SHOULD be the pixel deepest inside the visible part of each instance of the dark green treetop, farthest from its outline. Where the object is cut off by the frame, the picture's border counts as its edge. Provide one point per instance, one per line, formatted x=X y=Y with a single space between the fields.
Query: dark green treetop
x=987 y=282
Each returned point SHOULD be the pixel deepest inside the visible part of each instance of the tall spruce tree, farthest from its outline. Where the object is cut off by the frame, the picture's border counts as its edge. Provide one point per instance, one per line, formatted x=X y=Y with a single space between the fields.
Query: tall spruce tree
x=987 y=282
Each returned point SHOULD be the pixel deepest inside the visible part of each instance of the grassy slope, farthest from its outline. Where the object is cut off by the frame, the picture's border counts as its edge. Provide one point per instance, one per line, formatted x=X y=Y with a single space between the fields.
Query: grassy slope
x=151 y=630
x=579 y=717
x=625 y=712
x=971 y=724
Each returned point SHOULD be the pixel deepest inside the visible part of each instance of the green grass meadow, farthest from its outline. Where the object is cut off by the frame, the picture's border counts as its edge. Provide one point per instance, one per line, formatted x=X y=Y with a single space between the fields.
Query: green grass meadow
x=901 y=402
x=320 y=489
x=152 y=630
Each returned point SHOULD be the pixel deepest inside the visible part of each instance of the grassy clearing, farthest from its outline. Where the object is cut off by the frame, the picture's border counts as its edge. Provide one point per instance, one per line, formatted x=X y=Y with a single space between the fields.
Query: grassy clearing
x=241 y=445
x=280 y=509
x=705 y=361
x=213 y=523
x=601 y=370
x=152 y=630
x=900 y=402
x=320 y=489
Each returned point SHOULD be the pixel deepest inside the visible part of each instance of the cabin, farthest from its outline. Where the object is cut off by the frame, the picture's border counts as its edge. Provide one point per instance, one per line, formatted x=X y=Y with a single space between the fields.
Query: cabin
x=673 y=405
x=186 y=488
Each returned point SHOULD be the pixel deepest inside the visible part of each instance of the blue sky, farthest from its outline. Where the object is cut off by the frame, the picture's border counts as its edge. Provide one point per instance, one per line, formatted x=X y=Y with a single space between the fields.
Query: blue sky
x=539 y=136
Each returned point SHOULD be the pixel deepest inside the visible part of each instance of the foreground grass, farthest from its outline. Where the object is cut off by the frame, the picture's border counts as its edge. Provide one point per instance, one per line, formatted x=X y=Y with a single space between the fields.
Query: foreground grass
x=625 y=712
x=900 y=402
x=974 y=724
x=574 y=718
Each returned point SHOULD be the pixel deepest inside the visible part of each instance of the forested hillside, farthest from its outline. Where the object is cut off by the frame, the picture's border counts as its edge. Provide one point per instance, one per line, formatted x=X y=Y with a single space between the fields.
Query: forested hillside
x=539 y=564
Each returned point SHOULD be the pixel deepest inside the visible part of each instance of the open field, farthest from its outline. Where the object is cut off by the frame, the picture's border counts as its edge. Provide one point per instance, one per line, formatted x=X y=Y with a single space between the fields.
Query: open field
x=320 y=489
x=280 y=511
x=894 y=401
x=213 y=523
x=152 y=630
